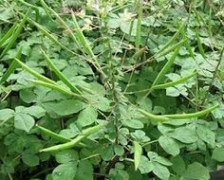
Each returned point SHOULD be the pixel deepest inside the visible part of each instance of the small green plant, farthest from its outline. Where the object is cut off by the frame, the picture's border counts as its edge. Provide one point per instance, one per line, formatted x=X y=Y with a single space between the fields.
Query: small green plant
x=116 y=90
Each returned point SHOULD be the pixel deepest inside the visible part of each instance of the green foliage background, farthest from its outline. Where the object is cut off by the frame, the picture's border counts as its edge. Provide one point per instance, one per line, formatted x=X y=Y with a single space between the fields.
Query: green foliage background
x=119 y=89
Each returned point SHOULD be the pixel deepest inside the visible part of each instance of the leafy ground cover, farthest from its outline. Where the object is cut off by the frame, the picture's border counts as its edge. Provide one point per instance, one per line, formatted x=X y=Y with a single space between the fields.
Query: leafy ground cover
x=118 y=89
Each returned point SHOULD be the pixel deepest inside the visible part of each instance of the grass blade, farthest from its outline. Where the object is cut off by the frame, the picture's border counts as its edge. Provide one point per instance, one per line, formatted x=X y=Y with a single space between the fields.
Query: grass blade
x=163 y=71
x=166 y=67
x=139 y=53
x=54 y=87
x=60 y=20
x=31 y=6
x=52 y=134
x=192 y=115
x=161 y=118
x=11 y=68
x=14 y=36
x=83 y=41
x=174 y=83
x=139 y=22
x=187 y=43
x=50 y=36
x=59 y=74
x=170 y=49
x=85 y=44
x=84 y=134
x=200 y=47
x=173 y=38
x=34 y=73
x=7 y=36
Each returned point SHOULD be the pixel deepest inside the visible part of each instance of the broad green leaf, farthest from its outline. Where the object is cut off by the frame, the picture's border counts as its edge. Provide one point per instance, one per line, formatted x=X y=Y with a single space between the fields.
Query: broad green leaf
x=137 y=154
x=68 y=155
x=107 y=153
x=145 y=165
x=164 y=128
x=169 y=145
x=99 y=102
x=218 y=154
x=5 y=13
x=206 y=134
x=6 y=114
x=176 y=91
x=30 y=159
x=27 y=95
x=118 y=174
x=133 y=123
x=87 y=116
x=179 y=165
x=119 y=150
x=35 y=111
x=23 y=121
x=154 y=157
x=219 y=112
x=65 y=171
x=84 y=171
x=140 y=136
x=64 y=107
x=197 y=171
x=185 y=135
x=161 y=171
x=134 y=175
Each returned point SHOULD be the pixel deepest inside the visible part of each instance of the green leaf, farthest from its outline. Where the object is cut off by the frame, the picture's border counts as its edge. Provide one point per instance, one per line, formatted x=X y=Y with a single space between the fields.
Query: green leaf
x=206 y=134
x=30 y=159
x=219 y=112
x=185 y=135
x=196 y=171
x=35 y=111
x=65 y=107
x=176 y=91
x=145 y=166
x=27 y=95
x=5 y=13
x=178 y=166
x=6 y=114
x=161 y=171
x=218 y=154
x=137 y=154
x=87 y=116
x=66 y=156
x=154 y=157
x=133 y=123
x=118 y=150
x=99 y=102
x=139 y=135
x=23 y=122
x=65 y=171
x=107 y=153
x=118 y=174
x=169 y=145
x=85 y=171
